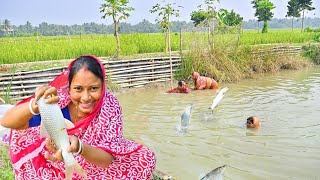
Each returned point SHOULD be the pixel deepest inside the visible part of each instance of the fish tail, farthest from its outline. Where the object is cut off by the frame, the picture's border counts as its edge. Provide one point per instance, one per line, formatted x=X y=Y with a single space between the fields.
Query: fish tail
x=77 y=168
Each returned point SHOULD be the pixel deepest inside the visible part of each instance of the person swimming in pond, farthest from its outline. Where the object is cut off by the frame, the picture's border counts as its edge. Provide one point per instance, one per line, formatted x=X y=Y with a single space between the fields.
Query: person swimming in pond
x=182 y=88
x=253 y=122
x=202 y=82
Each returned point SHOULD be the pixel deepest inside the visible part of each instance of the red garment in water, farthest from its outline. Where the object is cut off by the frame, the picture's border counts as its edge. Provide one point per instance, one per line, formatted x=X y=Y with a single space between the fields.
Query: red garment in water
x=102 y=128
x=176 y=90
x=202 y=82
x=181 y=89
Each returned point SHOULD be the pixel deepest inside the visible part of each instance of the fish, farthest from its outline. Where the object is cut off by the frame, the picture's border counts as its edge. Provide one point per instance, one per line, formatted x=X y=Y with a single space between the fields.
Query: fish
x=53 y=125
x=219 y=97
x=185 y=118
x=216 y=174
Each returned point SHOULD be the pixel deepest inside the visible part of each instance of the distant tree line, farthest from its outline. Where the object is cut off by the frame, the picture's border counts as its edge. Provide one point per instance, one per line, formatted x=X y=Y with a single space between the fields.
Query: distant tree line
x=46 y=29
x=283 y=23
x=144 y=26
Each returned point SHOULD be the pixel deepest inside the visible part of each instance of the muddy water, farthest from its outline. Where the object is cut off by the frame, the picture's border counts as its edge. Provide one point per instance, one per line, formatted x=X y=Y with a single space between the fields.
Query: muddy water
x=286 y=147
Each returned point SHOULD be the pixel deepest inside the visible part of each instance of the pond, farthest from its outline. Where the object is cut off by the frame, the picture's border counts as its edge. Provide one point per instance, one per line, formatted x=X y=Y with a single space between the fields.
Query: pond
x=286 y=147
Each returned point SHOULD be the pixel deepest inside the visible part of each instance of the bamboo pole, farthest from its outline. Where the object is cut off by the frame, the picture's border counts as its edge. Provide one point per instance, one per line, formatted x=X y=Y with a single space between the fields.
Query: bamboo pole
x=139 y=69
x=140 y=79
x=169 y=46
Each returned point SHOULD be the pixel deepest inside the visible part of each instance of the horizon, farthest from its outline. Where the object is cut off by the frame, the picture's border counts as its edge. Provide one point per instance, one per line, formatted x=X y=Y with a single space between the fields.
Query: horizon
x=296 y=20
x=62 y=13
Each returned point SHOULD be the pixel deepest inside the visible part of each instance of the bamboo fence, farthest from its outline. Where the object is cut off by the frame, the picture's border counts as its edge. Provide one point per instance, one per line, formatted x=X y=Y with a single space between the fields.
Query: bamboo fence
x=124 y=73
x=278 y=50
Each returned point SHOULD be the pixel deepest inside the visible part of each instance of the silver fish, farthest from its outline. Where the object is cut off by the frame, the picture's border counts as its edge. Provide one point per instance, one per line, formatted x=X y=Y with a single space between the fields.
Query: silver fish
x=185 y=118
x=216 y=174
x=53 y=125
x=219 y=97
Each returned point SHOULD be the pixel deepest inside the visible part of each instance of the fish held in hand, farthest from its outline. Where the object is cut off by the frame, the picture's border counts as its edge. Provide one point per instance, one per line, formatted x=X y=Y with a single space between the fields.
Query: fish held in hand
x=53 y=125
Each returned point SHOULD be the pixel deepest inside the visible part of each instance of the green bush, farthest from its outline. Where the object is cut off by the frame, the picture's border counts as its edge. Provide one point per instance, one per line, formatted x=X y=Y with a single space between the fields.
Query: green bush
x=312 y=52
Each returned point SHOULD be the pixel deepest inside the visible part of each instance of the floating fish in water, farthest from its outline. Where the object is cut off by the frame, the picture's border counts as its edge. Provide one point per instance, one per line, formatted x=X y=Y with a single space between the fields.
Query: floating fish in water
x=216 y=174
x=53 y=125
x=4 y=132
x=219 y=97
x=185 y=118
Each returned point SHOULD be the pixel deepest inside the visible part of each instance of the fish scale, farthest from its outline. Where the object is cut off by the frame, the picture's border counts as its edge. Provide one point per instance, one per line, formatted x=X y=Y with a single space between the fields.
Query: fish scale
x=53 y=125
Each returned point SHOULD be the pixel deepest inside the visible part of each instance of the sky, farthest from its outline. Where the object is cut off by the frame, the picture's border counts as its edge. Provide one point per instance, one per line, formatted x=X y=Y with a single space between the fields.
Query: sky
x=68 y=12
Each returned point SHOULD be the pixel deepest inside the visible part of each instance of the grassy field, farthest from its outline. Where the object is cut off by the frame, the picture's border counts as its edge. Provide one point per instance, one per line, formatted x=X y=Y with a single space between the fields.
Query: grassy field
x=6 y=171
x=30 y=49
x=252 y=37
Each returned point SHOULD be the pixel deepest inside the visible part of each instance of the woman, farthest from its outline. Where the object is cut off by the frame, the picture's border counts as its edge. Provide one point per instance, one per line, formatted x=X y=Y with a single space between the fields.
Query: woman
x=97 y=132
x=202 y=82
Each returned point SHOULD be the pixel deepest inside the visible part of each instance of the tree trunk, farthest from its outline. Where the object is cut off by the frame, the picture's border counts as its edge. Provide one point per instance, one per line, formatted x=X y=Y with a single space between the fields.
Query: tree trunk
x=302 y=21
x=212 y=34
x=292 y=24
x=180 y=41
x=116 y=34
x=169 y=48
x=265 y=27
x=209 y=35
x=167 y=41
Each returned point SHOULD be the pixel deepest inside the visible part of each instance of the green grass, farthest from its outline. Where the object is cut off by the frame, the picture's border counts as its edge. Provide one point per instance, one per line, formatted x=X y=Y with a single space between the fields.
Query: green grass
x=232 y=63
x=6 y=171
x=276 y=36
x=30 y=49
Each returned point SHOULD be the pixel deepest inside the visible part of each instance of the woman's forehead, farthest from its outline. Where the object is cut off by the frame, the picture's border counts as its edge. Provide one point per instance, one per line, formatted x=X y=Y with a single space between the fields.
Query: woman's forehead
x=85 y=77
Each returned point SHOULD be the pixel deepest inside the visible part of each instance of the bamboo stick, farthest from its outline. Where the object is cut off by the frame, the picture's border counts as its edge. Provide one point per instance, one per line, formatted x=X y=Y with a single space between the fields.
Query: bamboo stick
x=140 y=74
x=144 y=83
x=31 y=76
x=137 y=69
x=140 y=79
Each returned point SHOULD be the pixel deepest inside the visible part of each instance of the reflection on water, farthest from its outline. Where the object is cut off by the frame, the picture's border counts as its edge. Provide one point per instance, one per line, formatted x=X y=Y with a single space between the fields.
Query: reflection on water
x=286 y=147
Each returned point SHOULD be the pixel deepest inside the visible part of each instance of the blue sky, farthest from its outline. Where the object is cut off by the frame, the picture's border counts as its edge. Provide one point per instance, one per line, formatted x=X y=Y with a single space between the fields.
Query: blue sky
x=82 y=11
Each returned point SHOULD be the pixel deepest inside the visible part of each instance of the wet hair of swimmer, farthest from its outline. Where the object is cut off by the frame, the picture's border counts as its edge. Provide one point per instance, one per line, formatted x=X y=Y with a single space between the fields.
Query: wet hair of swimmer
x=85 y=61
x=250 y=120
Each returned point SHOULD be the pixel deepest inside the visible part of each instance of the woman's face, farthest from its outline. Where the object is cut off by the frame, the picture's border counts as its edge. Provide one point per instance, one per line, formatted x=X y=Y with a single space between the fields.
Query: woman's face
x=85 y=90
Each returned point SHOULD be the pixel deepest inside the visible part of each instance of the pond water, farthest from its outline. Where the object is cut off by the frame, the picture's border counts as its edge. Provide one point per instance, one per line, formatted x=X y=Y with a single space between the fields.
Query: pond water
x=286 y=147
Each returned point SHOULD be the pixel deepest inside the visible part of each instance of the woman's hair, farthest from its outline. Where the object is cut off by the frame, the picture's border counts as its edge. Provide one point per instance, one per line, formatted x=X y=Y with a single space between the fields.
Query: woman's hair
x=88 y=62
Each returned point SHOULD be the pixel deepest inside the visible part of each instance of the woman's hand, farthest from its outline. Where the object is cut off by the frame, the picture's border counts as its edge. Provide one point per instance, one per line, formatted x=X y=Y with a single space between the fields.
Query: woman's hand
x=48 y=92
x=74 y=144
x=57 y=154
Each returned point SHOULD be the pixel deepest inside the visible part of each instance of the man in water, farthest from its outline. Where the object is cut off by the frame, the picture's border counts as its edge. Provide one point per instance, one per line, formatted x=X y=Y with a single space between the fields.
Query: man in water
x=182 y=88
x=253 y=122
